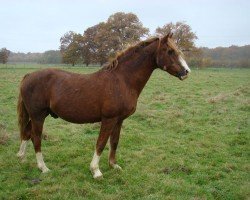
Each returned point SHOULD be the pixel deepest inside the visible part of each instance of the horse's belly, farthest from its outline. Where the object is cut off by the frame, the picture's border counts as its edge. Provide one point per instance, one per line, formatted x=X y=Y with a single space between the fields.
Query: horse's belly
x=81 y=120
x=77 y=114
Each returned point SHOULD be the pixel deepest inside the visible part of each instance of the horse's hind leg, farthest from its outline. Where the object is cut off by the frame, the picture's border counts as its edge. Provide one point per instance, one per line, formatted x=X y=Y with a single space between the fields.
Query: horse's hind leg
x=114 y=140
x=36 y=137
x=107 y=127
x=25 y=137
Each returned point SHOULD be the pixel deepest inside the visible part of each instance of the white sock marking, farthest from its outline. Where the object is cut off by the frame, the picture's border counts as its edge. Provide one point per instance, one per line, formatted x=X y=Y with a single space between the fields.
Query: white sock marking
x=184 y=64
x=22 y=149
x=40 y=162
x=94 y=166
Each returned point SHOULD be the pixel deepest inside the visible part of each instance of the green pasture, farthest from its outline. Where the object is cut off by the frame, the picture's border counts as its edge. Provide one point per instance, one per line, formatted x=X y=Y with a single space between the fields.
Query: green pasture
x=187 y=140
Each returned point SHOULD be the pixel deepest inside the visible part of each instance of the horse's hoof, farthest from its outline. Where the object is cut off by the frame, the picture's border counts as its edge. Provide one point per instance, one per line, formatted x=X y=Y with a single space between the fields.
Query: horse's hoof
x=97 y=175
x=115 y=166
x=21 y=157
x=44 y=170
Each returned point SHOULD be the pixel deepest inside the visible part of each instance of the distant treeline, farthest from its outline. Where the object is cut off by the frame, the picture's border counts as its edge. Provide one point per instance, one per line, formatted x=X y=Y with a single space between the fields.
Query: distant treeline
x=48 y=57
x=231 y=57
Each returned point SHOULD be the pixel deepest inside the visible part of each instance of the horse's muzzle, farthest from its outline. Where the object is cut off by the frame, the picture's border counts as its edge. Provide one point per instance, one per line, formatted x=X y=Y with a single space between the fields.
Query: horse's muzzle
x=182 y=75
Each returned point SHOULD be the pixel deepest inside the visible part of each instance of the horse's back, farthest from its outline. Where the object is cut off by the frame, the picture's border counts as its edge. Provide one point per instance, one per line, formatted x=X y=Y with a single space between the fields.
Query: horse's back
x=44 y=78
x=38 y=81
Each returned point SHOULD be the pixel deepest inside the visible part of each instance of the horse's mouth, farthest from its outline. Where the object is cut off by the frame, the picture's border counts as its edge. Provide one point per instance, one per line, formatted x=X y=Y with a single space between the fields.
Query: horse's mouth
x=183 y=77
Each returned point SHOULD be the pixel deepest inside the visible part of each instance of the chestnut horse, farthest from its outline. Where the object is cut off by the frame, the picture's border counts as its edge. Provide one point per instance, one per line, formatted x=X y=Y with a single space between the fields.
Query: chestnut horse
x=108 y=96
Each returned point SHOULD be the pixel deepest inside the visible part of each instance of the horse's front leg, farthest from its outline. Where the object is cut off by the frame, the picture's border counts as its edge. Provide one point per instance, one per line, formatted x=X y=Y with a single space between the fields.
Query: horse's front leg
x=107 y=128
x=114 y=140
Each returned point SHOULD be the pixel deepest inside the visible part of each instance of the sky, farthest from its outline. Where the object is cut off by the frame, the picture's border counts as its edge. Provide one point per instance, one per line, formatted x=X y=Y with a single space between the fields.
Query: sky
x=37 y=25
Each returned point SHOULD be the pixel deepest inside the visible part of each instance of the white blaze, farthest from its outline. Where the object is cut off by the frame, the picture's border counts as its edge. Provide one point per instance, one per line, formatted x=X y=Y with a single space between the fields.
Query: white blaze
x=184 y=64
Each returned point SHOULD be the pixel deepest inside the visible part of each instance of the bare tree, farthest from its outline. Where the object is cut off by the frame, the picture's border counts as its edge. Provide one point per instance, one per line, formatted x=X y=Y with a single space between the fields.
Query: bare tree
x=4 y=54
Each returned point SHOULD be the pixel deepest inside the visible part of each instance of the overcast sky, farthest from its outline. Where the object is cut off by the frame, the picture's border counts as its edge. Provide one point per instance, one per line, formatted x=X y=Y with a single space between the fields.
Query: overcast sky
x=37 y=25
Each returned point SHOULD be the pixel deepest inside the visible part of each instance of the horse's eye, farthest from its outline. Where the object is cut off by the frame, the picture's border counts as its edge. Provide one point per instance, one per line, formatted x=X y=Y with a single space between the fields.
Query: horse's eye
x=170 y=52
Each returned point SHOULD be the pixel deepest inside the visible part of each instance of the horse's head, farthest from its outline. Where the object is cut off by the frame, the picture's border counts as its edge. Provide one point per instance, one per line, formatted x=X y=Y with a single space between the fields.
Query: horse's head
x=169 y=58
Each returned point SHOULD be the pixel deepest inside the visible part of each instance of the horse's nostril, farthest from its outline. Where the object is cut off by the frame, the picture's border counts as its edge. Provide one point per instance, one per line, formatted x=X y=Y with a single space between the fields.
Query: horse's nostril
x=187 y=71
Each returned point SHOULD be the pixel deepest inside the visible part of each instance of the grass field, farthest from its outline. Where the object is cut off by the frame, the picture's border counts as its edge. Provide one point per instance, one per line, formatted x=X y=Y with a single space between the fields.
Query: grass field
x=187 y=140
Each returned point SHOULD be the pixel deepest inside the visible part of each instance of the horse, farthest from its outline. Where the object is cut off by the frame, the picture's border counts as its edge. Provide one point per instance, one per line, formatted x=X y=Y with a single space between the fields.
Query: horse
x=108 y=96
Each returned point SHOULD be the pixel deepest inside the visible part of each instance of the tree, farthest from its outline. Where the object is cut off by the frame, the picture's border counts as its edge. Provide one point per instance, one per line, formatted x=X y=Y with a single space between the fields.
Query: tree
x=4 y=54
x=123 y=30
x=95 y=48
x=101 y=41
x=104 y=39
x=71 y=47
x=182 y=33
x=66 y=40
x=85 y=51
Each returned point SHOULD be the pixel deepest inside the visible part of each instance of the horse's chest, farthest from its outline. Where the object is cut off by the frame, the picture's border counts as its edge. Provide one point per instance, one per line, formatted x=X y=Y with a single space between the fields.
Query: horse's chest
x=129 y=110
x=128 y=106
x=122 y=106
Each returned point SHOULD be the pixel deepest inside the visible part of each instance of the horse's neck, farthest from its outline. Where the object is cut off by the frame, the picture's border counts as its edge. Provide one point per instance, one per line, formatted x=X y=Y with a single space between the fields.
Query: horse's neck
x=137 y=71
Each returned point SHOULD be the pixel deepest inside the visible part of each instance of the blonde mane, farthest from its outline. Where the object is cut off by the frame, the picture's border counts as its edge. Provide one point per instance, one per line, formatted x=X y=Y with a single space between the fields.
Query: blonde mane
x=127 y=53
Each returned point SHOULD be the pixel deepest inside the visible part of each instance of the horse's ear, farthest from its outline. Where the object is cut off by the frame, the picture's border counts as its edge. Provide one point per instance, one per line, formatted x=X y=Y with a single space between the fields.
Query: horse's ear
x=171 y=35
x=165 y=38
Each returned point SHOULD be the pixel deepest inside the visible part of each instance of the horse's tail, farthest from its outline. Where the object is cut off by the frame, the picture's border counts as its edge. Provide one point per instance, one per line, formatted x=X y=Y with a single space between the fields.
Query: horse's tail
x=23 y=116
